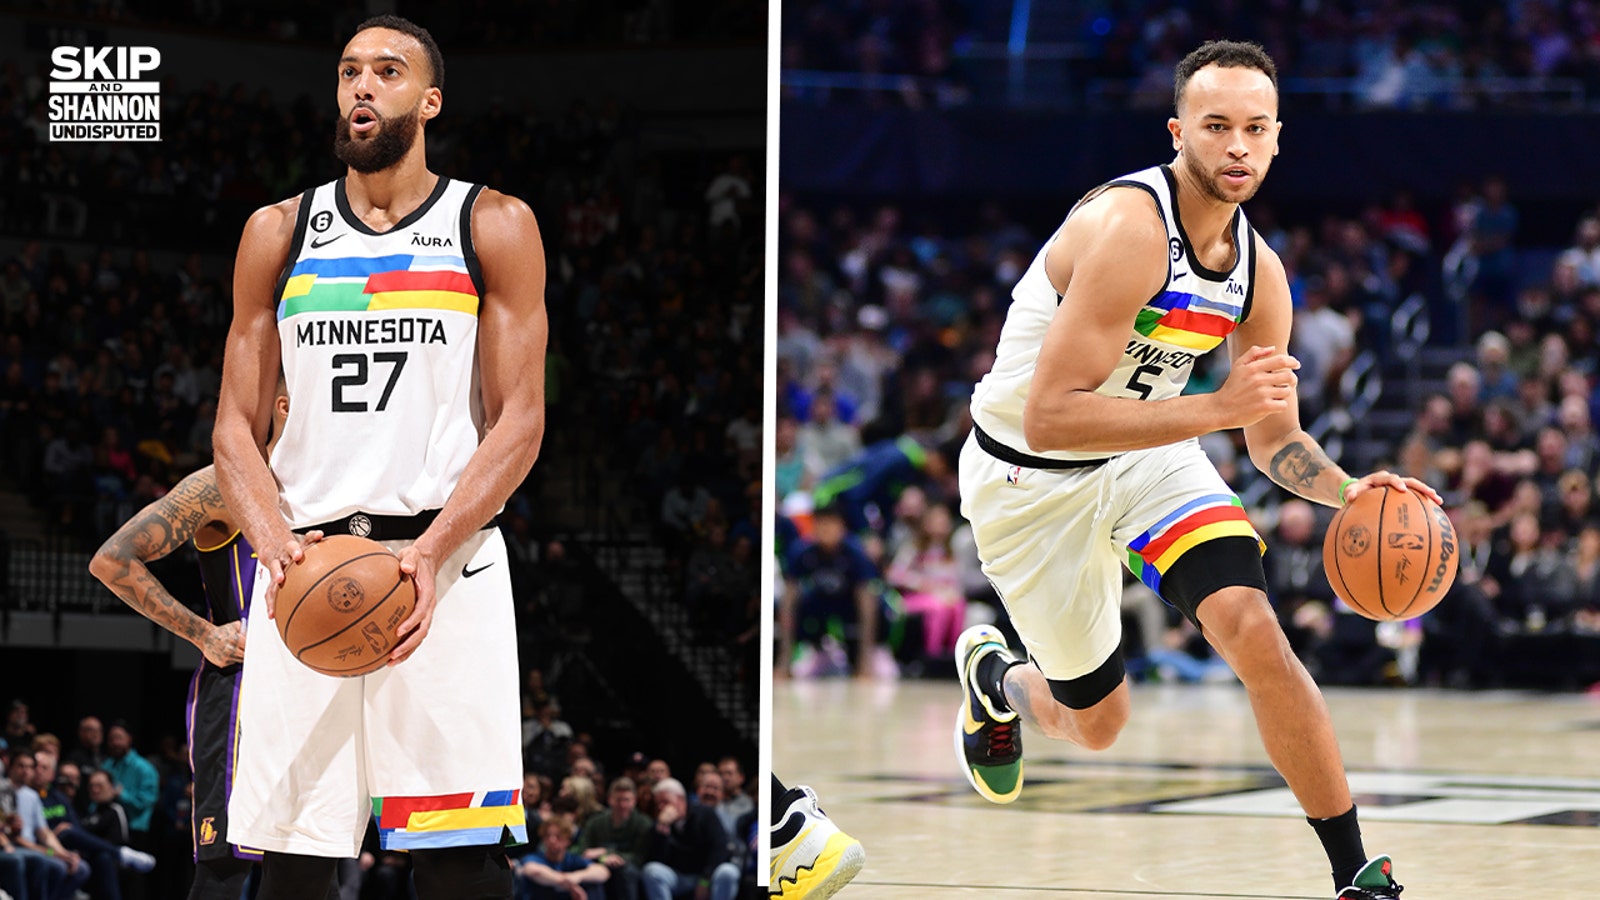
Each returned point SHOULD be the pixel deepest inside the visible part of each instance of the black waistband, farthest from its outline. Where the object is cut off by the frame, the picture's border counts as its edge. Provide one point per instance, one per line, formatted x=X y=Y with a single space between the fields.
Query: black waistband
x=1027 y=460
x=383 y=528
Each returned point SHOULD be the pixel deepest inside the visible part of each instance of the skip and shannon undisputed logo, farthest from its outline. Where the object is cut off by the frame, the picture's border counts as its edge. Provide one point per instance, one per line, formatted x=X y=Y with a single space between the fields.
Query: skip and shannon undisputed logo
x=98 y=94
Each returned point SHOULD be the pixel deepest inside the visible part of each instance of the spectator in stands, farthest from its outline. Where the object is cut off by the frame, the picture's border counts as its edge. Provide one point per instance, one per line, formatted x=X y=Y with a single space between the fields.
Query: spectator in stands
x=544 y=749
x=139 y=782
x=1537 y=584
x=735 y=802
x=829 y=585
x=67 y=870
x=1498 y=381
x=1583 y=256
x=19 y=729
x=104 y=857
x=90 y=753
x=69 y=781
x=929 y=580
x=616 y=838
x=579 y=792
x=688 y=850
x=553 y=872
x=1296 y=582
x=825 y=442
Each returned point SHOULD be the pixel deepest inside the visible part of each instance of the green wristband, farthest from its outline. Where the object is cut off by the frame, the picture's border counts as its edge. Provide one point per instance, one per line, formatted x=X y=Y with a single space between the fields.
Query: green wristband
x=1344 y=486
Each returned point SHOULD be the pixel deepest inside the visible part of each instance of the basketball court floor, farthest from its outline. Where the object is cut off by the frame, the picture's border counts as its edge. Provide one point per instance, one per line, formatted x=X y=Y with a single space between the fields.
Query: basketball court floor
x=1473 y=794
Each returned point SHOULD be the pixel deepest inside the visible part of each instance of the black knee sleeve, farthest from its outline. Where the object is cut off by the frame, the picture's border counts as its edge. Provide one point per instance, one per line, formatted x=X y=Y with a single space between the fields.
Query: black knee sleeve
x=290 y=876
x=479 y=872
x=1087 y=690
x=1210 y=567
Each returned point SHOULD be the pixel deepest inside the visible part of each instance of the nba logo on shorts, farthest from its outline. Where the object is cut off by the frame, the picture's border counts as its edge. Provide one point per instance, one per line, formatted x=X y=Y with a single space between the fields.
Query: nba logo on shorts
x=1014 y=475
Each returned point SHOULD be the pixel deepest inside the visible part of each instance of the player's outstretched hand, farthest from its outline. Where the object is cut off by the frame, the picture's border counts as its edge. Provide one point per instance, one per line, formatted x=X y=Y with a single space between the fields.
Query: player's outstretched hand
x=420 y=567
x=224 y=644
x=1261 y=383
x=289 y=552
x=1385 y=478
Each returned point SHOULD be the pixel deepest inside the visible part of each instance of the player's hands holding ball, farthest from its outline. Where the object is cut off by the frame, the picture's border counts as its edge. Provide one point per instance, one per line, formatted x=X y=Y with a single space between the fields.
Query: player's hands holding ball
x=1387 y=479
x=1261 y=383
x=417 y=563
x=289 y=551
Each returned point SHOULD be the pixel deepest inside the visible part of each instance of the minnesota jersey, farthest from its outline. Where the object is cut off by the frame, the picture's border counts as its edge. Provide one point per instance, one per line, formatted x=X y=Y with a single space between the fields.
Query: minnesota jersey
x=1192 y=313
x=379 y=332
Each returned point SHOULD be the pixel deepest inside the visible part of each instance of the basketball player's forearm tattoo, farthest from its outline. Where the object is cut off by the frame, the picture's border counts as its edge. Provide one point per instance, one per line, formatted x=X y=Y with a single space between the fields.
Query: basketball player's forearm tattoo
x=156 y=531
x=1297 y=466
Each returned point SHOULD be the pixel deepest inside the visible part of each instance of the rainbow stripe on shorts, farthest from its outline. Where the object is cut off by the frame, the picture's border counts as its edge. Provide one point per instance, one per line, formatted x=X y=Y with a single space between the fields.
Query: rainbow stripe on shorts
x=449 y=820
x=1201 y=519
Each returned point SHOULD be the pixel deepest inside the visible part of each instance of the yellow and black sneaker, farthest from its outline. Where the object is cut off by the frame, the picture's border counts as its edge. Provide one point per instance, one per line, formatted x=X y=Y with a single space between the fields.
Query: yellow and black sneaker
x=1375 y=881
x=811 y=857
x=988 y=742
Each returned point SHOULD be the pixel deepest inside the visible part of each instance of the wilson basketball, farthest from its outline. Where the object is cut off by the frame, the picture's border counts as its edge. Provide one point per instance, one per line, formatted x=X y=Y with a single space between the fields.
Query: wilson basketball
x=340 y=607
x=1390 y=554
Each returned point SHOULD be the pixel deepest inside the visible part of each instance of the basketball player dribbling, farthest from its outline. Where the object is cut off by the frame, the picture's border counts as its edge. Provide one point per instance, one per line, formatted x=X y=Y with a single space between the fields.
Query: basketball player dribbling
x=1084 y=457
x=193 y=511
x=407 y=311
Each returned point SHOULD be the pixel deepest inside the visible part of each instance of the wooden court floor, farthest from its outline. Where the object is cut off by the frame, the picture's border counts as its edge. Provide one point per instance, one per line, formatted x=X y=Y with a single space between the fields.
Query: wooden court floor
x=1474 y=795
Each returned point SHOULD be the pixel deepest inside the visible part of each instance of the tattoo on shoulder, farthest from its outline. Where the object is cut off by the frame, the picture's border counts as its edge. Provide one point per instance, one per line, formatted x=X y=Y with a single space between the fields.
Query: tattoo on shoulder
x=1297 y=466
x=165 y=525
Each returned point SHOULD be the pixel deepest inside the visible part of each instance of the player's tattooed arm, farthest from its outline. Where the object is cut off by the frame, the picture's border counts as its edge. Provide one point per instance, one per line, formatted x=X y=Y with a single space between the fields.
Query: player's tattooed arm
x=1303 y=467
x=152 y=533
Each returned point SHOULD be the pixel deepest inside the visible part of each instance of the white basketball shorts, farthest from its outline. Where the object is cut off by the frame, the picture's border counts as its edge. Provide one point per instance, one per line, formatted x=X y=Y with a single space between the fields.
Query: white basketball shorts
x=431 y=747
x=1054 y=542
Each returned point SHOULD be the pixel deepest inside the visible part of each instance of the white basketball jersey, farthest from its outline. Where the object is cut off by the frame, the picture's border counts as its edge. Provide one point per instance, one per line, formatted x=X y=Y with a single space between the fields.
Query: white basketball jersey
x=380 y=352
x=1191 y=314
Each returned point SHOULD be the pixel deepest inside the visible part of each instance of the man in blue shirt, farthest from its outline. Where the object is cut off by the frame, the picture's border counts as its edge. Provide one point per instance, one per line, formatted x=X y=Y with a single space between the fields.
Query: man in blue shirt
x=554 y=872
x=67 y=870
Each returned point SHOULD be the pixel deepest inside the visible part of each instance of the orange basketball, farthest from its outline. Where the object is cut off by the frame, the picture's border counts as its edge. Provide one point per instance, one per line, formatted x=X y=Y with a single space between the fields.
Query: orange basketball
x=1390 y=554
x=340 y=608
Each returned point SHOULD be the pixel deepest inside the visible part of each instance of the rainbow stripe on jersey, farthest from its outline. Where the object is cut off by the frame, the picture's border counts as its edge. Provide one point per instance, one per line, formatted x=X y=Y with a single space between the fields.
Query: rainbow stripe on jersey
x=449 y=820
x=1202 y=519
x=1188 y=320
x=361 y=283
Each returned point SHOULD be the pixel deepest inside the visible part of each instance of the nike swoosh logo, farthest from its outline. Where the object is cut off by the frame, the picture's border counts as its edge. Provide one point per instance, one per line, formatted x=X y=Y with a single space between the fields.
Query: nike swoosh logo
x=468 y=573
x=969 y=724
x=1175 y=275
x=782 y=861
x=316 y=243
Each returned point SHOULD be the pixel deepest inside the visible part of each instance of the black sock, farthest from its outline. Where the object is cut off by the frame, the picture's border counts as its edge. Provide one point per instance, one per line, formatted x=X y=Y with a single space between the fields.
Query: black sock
x=992 y=671
x=1341 y=839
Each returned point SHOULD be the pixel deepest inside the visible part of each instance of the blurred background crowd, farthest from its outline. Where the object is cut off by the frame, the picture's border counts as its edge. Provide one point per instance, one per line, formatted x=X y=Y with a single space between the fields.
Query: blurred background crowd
x=1346 y=53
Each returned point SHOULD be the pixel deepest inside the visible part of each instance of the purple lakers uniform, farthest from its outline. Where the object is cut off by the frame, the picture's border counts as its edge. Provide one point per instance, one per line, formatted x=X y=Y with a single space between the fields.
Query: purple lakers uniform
x=229 y=573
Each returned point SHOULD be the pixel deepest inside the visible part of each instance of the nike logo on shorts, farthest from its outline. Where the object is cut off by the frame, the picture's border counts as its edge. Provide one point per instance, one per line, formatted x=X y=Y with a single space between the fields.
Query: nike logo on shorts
x=468 y=573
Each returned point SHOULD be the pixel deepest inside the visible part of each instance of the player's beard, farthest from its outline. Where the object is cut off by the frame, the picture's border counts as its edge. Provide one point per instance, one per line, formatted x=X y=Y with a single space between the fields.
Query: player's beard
x=393 y=141
x=1210 y=183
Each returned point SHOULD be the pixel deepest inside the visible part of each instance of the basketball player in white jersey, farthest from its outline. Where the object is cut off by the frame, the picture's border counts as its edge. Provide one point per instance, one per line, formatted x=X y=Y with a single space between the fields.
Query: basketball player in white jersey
x=407 y=310
x=1084 y=457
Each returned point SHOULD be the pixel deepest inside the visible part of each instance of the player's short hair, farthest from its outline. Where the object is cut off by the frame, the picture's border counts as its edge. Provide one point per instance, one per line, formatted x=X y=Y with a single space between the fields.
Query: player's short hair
x=1228 y=55
x=423 y=37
